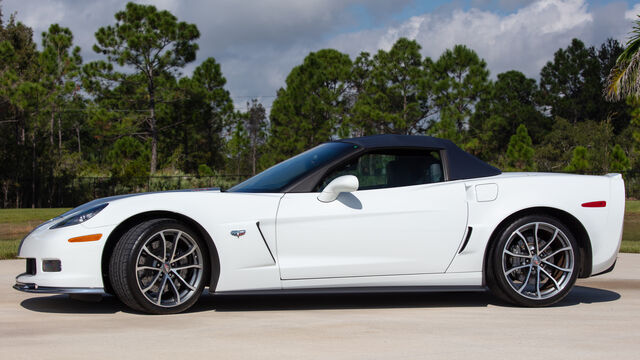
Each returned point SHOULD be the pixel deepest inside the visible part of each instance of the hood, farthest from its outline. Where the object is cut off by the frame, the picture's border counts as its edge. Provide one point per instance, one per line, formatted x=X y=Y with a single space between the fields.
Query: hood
x=108 y=199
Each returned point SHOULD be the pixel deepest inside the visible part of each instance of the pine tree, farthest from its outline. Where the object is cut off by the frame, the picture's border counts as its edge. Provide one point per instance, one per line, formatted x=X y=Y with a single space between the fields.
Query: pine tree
x=510 y=101
x=257 y=131
x=579 y=161
x=460 y=78
x=571 y=84
x=153 y=44
x=393 y=97
x=312 y=107
x=520 y=151
x=619 y=162
x=60 y=62
x=204 y=112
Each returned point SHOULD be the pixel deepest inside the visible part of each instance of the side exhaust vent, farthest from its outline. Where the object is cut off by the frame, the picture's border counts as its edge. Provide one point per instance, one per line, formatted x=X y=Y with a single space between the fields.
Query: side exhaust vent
x=466 y=239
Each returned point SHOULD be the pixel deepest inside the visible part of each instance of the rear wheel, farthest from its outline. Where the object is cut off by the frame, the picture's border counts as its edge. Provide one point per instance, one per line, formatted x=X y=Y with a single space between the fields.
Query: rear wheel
x=535 y=262
x=159 y=267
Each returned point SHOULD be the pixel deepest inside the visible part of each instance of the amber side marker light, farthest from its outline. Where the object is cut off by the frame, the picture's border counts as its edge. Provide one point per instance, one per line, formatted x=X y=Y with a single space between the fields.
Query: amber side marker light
x=86 y=238
x=595 y=204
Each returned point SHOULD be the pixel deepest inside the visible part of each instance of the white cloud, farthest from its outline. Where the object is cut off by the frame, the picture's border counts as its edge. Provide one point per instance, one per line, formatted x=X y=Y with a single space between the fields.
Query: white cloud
x=523 y=40
x=633 y=13
x=257 y=42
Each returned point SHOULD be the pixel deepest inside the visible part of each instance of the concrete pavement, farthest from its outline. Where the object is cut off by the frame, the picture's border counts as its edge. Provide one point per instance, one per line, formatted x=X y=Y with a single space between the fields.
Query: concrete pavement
x=600 y=319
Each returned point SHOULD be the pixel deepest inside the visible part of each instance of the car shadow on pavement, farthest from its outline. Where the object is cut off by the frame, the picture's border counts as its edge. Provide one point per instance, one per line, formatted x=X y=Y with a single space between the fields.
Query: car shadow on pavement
x=588 y=295
x=341 y=301
x=227 y=303
x=63 y=304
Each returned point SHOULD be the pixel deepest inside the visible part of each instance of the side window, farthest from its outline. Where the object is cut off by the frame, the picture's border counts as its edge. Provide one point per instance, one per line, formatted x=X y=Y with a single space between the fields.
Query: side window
x=391 y=168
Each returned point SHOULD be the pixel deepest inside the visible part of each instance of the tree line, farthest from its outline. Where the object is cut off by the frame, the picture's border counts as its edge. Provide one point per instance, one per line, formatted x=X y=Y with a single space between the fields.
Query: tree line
x=134 y=114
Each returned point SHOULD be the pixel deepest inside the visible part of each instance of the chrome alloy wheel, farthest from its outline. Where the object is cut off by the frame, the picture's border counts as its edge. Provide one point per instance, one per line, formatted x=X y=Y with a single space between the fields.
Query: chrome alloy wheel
x=538 y=260
x=169 y=268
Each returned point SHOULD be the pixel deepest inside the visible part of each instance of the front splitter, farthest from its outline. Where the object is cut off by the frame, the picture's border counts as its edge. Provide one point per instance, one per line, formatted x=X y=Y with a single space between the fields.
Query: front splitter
x=33 y=288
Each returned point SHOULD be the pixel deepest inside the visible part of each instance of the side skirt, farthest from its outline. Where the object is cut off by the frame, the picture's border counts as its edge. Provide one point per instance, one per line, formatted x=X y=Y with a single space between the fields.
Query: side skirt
x=358 y=290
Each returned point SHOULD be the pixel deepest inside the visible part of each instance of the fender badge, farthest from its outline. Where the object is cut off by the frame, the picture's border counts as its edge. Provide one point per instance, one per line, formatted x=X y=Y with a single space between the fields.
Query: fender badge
x=238 y=233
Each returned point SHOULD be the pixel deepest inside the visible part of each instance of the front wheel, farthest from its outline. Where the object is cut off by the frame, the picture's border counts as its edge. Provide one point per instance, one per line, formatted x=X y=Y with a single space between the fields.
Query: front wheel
x=535 y=262
x=159 y=267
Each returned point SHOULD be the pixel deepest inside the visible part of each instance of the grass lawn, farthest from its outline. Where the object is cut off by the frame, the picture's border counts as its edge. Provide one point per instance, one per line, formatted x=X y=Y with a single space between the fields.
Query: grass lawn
x=16 y=223
x=631 y=234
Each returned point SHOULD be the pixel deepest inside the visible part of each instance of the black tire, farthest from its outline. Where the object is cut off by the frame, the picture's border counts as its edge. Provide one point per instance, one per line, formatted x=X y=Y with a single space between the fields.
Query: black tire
x=171 y=287
x=533 y=275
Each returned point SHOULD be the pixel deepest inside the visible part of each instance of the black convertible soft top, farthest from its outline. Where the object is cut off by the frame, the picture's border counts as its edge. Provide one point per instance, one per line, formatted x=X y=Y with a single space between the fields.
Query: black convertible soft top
x=460 y=164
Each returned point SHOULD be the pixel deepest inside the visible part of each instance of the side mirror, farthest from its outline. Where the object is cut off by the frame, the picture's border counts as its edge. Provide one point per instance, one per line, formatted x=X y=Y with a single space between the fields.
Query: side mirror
x=346 y=183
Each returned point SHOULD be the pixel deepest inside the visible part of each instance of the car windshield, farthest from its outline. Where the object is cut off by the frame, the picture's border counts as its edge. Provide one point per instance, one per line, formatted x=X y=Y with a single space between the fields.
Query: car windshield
x=278 y=177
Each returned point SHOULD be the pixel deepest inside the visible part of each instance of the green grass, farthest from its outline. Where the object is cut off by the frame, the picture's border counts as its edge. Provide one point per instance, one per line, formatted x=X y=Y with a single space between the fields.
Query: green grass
x=22 y=215
x=16 y=223
x=631 y=234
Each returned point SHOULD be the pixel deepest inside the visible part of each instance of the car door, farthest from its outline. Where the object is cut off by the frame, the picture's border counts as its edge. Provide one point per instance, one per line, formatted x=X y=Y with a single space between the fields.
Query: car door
x=404 y=219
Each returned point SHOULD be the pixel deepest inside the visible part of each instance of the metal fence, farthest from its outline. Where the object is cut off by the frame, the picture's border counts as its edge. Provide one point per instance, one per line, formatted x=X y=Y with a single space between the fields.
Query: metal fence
x=69 y=192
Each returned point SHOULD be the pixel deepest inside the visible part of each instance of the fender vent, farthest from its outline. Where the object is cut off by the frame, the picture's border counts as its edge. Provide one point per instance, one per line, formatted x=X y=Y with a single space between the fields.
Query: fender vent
x=265 y=241
x=466 y=239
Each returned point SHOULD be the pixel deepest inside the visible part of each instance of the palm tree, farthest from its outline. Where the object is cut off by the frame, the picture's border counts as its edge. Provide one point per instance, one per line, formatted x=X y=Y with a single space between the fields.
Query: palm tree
x=624 y=79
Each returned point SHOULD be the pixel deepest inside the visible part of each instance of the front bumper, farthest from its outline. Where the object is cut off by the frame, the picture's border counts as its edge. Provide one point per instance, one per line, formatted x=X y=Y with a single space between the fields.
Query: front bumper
x=79 y=264
x=33 y=288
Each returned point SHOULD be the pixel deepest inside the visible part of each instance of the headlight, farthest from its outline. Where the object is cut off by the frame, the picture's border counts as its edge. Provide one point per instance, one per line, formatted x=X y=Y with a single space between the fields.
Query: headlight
x=80 y=217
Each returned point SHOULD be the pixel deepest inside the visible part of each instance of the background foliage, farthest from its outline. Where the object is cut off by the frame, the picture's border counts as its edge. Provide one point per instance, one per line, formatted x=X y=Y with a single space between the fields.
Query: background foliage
x=133 y=121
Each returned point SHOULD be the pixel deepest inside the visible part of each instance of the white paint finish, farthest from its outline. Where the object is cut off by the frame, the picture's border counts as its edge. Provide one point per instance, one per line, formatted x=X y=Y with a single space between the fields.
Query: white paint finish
x=404 y=230
x=447 y=279
x=350 y=241
x=486 y=192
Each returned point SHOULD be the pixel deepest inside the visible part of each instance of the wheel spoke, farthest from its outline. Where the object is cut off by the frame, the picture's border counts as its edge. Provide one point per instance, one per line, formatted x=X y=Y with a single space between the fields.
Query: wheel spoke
x=526 y=281
x=196 y=266
x=526 y=244
x=183 y=280
x=555 y=283
x=164 y=247
x=193 y=248
x=152 y=254
x=164 y=282
x=175 y=290
x=516 y=268
x=175 y=245
x=555 y=234
x=535 y=238
x=517 y=255
x=152 y=283
x=557 y=267
x=538 y=283
x=567 y=248
x=139 y=268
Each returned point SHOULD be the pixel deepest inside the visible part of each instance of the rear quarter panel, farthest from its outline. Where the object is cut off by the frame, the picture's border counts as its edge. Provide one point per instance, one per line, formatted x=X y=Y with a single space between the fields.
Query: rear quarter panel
x=565 y=192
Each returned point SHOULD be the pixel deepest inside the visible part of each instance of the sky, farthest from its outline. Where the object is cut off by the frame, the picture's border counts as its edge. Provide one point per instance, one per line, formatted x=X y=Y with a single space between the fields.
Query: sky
x=257 y=42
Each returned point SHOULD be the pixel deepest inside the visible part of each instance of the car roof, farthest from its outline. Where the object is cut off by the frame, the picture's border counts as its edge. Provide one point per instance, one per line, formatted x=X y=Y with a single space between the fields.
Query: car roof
x=460 y=164
x=391 y=140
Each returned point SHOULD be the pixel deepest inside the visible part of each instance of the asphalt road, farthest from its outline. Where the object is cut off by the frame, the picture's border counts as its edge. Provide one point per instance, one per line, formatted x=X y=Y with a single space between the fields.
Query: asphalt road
x=600 y=319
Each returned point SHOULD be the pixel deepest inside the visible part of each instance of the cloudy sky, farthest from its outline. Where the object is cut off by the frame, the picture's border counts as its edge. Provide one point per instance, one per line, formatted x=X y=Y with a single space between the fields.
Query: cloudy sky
x=257 y=42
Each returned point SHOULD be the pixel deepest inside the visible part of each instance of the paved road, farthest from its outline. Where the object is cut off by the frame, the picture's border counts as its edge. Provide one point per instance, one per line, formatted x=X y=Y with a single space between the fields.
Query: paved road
x=600 y=319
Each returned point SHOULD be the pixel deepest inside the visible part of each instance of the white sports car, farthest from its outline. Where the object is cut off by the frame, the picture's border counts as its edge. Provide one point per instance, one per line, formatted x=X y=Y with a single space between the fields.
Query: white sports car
x=377 y=213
